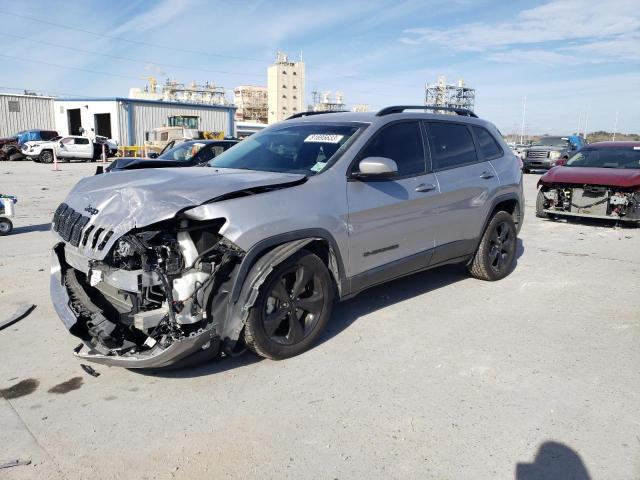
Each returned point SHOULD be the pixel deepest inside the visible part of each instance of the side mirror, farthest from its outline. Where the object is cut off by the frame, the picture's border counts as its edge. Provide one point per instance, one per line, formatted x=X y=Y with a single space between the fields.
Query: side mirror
x=153 y=155
x=376 y=167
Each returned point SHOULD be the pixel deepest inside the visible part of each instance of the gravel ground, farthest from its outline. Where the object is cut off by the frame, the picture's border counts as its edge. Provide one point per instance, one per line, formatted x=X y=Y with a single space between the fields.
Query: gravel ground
x=435 y=375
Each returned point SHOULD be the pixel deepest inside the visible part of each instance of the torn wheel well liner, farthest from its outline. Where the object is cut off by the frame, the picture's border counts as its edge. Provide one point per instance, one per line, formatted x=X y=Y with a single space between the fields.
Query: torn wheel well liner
x=323 y=244
x=256 y=267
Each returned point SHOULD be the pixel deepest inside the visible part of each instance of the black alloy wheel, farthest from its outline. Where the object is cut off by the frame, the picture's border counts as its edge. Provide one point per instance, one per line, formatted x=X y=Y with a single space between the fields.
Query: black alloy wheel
x=292 y=308
x=496 y=253
x=502 y=247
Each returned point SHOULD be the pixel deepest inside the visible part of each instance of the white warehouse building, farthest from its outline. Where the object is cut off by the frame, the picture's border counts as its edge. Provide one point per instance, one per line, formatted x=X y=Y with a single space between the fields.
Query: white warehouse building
x=25 y=112
x=129 y=120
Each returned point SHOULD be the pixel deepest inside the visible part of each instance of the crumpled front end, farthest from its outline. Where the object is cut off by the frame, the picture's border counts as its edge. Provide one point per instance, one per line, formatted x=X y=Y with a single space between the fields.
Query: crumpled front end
x=151 y=299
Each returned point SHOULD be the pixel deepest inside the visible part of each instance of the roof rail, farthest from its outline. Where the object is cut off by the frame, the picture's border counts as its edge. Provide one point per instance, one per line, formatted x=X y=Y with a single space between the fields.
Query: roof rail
x=306 y=114
x=402 y=108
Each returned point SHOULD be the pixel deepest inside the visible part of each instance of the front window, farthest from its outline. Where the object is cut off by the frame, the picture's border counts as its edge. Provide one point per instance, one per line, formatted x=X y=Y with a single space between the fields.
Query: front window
x=552 y=142
x=622 y=157
x=305 y=149
x=183 y=152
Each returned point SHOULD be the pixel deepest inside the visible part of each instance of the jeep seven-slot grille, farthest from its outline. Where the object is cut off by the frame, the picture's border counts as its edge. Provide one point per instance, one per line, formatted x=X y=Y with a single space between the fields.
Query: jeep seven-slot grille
x=69 y=224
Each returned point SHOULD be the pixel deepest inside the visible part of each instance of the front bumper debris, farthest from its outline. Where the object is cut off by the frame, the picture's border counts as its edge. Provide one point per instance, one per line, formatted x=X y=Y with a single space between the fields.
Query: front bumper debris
x=155 y=357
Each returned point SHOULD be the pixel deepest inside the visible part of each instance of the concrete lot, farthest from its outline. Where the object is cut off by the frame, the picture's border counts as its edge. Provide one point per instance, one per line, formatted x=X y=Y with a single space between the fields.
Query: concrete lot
x=433 y=376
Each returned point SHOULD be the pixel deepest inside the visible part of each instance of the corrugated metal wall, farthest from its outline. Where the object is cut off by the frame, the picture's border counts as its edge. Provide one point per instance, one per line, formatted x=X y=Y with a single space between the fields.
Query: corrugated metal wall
x=147 y=116
x=34 y=113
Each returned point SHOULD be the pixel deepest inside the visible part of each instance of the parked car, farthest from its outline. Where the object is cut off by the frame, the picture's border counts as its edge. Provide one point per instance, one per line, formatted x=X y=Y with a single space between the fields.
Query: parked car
x=600 y=181
x=551 y=151
x=10 y=147
x=71 y=147
x=186 y=154
x=153 y=266
x=110 y=147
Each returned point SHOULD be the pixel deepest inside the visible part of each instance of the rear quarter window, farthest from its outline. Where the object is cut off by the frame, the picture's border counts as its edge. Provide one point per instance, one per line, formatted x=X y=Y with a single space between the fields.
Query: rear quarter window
x=487 y=145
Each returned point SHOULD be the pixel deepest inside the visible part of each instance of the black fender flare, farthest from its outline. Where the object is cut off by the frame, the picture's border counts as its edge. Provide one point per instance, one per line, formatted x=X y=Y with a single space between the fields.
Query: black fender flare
x=496 y=201
x=258 y=263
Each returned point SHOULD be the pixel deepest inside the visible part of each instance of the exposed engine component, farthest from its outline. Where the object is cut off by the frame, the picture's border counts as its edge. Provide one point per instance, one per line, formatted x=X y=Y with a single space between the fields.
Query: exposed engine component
x=592 y=200
x=151 y=289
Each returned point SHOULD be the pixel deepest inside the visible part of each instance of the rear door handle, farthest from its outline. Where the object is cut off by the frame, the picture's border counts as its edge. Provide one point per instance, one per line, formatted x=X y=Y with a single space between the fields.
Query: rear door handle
x=425 y=187
x=487 y=175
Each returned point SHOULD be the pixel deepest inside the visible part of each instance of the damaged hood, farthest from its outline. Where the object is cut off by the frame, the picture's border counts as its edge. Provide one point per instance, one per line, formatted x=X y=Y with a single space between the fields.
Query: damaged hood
x=615 y=177
x=121 y=201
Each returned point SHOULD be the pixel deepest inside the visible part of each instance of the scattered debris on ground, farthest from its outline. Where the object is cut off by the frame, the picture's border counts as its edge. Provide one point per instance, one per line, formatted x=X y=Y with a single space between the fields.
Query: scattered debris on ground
x=21 y=312
x=90 y=370
x=15 y=463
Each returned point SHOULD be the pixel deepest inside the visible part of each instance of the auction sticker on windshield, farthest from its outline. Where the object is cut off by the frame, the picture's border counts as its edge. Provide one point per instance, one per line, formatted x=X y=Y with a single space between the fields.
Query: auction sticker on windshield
x=323 y=138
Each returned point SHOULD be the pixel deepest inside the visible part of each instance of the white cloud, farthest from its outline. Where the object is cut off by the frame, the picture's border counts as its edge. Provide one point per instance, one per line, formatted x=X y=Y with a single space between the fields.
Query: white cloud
x=599 y=25
x=162 y=13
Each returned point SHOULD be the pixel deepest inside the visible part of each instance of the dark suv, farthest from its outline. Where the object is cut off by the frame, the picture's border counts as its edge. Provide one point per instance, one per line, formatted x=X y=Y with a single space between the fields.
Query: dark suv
x=154 y=265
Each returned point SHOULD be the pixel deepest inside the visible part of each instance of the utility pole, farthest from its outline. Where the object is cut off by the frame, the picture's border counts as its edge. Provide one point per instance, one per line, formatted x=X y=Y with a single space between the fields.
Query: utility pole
x=586 y=120
x=615 y=127
x=524 y=112
x=579 y=123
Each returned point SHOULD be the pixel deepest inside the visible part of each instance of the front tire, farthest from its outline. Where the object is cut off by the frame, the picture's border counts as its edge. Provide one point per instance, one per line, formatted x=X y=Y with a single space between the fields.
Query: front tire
x=292 y=308
x=46 y=157
x=540 y=200
x=5 y=226
x=496 y=253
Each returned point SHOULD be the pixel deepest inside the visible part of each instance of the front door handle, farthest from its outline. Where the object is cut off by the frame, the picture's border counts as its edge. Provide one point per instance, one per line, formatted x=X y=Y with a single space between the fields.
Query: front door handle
x=486 y=175
x=425 y=187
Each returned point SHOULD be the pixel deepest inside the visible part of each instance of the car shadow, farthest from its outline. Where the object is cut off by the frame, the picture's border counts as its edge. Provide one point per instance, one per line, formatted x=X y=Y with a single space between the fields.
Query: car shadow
x=344 y=315
x=199 y=367
x=397 y=291
x=41 y=227
x=553 y=460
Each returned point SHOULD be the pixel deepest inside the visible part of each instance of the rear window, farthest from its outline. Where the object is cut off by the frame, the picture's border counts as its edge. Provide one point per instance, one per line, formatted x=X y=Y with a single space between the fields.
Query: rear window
x=451 y=145
x=488 y=146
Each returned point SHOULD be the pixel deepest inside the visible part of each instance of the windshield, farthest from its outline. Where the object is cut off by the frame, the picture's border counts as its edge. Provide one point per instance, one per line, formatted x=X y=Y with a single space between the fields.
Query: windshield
x=552 y=142
x=305 y=149
x=183 y=152
x=625 y=157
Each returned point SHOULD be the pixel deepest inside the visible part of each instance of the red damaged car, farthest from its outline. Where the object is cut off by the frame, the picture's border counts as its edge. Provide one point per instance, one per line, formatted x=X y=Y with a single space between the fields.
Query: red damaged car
x=602 y=180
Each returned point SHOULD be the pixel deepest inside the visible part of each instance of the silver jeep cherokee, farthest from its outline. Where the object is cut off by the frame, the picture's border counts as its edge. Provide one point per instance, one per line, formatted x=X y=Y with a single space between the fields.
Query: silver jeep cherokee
x=156 y=265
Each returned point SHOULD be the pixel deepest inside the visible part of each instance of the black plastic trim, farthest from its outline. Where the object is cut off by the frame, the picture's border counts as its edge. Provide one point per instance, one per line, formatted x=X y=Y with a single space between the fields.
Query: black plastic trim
x=449 y=253
x=401 y=108
x=263 y=246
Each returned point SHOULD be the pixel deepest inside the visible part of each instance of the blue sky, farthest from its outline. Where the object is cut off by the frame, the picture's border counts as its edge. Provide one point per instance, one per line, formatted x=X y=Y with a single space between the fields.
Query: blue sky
x=568 y=57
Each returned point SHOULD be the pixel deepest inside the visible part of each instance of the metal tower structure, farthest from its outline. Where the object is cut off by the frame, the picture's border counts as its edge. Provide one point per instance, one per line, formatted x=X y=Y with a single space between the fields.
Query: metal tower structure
x=442 y=94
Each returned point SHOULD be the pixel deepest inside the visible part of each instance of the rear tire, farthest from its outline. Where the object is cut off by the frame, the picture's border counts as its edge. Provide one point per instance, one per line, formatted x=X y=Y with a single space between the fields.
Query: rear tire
x=496 y=253
x=540 y=213
x=292 y=308
x=5 y=226
x=46 y=157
